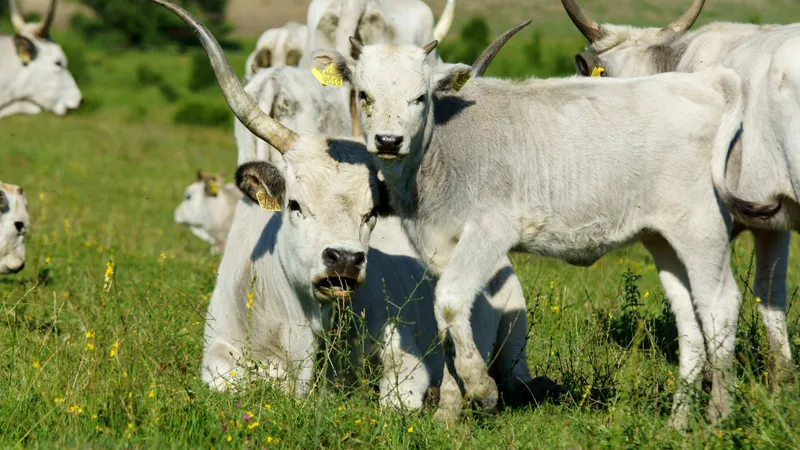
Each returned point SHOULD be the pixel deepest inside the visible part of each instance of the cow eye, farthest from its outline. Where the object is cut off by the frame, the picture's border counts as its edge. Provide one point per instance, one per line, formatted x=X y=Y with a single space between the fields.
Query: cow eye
x=60 y=64
x=187 y=197
x=420 y=100
x=294 y=206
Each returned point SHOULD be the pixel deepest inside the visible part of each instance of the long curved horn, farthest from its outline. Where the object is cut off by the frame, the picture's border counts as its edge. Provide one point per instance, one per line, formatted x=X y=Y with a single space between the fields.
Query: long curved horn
x=43 y=31
x=491 y=51
x=16 y=18
x=687 y=19
x=587 y=26
x=245 y=109
x=445 y=21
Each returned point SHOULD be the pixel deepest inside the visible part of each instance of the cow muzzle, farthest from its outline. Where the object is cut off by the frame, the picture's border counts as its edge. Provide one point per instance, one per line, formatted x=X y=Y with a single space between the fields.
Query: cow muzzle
x=344 y=274
x=388 y=146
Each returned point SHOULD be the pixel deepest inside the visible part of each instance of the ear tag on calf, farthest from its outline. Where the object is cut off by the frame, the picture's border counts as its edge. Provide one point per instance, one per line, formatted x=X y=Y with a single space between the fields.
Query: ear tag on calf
x=328 y=77
x=213 y=190
x=597 y=71
x=460 y=80
x=266 y=202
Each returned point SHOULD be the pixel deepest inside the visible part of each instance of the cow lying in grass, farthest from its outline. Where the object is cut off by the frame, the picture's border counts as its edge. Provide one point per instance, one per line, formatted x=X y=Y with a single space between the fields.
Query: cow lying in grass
x=207 y=209
x=567 y=168
x=14 y=223
x=282 y=273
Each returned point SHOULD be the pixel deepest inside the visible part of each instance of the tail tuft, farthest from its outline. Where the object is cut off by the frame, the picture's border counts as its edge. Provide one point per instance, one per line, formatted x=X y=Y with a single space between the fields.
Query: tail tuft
x=747 y=211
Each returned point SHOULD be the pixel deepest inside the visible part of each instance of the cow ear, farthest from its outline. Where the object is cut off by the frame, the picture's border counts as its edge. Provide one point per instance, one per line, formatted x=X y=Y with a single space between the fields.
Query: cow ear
x=262 y=59
x=211 y=186
x=450 y=77
x=587 y=64
x=26 y=49
x=262 y=183
x=331 y=67
x=293 y=58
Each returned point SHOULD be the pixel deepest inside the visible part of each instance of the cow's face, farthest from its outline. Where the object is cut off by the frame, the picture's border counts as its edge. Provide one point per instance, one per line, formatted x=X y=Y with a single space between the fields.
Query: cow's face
x=14 y=224
x=394 y=89
x=276 y=48
x=41 y=80
x=329 y=199
x=202 y=204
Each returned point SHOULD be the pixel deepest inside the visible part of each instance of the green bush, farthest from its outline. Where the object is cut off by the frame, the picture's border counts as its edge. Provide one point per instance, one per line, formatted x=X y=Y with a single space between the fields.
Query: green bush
x=202 y=114
x=201 y=75
x=141 y=23
x=473 y=40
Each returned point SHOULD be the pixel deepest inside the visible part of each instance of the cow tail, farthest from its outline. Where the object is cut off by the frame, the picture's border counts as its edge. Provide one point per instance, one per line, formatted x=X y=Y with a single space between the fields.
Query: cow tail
x=727 y=135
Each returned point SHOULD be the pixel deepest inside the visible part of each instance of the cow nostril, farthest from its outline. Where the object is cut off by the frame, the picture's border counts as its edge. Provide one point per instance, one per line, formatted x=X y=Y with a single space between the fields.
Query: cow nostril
x=388 y=141
x=357 y=259
x=19 y=226
x=331 y=256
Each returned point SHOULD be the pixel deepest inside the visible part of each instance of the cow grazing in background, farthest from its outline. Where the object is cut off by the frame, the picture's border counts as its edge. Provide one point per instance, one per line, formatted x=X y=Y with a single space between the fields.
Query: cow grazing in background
x=33 y=69
x=14 y=223
x=207 y=209
x=763 y=165
x=331 y=22
x=322 y=249
x=278 y=47
x=567 y=168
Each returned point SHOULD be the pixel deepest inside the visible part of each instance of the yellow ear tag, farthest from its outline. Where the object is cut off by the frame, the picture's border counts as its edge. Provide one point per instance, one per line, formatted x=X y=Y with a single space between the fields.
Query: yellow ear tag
x=597 y=71
x=328 y=77
x=212 y=188
x=460 y=80
x=266 y=202
x=25 y=58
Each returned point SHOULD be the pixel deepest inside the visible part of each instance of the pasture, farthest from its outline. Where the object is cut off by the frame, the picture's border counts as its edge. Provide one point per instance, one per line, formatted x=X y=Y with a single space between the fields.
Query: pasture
x=101 y=334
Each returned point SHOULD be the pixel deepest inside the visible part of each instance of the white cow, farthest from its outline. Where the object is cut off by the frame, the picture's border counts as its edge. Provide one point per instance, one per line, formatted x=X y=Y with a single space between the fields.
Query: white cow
x=331 y=22
x=277 y=47
x=207 y=209
x=33 y=69
x=764 y=164
x=14 y=223
x=316 y=252
x=567 y=168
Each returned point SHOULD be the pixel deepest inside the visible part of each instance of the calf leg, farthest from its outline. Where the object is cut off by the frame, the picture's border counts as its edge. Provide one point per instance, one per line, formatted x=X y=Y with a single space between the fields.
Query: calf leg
x=405 y=380
x=479 y=250
x=772 y=257
x=221 y=365
x=691 y=345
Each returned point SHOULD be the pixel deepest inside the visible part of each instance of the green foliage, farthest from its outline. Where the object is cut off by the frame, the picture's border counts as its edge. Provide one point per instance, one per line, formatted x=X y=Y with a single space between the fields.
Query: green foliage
x=473 y=40
x=201 y=75
x=203 y=114
x=141 y=23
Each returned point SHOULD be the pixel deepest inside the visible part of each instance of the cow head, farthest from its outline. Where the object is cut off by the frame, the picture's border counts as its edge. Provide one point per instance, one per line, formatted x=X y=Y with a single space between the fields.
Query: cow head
x=14 y=223
x=625 y=51
x=39 y=78
x=328 y=196
x=394 y=87
x=277 y=47
x=205 y=206
x=324 y=188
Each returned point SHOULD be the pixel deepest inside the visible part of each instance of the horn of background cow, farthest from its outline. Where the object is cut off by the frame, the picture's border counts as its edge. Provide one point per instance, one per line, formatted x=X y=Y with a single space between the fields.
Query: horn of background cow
x=445 y=21
x=687 y=19
x=491 y=51
x=43 y=31
x=242 y=105
x=357 y=46
x=430 y=46
x=349 y=18
x=587 y=26
x=16 y=18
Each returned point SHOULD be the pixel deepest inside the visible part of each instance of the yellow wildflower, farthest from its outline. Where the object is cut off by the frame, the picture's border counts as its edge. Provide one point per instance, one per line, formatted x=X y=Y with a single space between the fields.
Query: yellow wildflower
x=36 y=364
x=151 y=394
x=358 y=421
x=410 y=429
x=41 y=196
x=58 y=400
x=113 y=351
x=229 y=438
x=75 y=410
x=128 y=435
x=249 y=300
x=162 y=257
x=253 y=425
x=269 y=439
x=47 y=260
x=90 y=334
x=646 y=294
x=130 y=394
x=109 y=275
x=268 y=406
x=130 y=425
x=552 y=284
x=94 y=416
x=89 y=346
x=233 y=373
x=66 y=224
x=555 y=309
x=758 y=299
x=98 y=428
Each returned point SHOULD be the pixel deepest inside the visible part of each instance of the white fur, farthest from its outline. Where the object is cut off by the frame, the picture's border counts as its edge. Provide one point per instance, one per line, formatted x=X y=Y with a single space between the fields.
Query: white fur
x=280 y=42
x=14 y=224
x=208 y=217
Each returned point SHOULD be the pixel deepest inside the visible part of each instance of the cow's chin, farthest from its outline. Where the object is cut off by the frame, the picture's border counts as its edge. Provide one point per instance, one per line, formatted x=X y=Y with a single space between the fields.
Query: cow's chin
x=334 y=289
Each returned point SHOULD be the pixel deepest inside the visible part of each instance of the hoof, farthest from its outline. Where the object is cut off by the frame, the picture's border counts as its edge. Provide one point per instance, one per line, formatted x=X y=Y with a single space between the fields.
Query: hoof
x=446 y=416
x=487 y=395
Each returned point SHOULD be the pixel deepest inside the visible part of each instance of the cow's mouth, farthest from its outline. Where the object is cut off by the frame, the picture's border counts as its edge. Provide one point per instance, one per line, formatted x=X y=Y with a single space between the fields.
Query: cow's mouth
x=335 y=287
x=389 y=156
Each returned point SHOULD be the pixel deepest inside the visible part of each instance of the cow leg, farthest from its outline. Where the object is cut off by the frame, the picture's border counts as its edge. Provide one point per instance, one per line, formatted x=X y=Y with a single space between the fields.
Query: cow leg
x=479 y=250
x=772 y=257
x=691 y=346
x=704 y=249
x=221 y=365
x=405 y=380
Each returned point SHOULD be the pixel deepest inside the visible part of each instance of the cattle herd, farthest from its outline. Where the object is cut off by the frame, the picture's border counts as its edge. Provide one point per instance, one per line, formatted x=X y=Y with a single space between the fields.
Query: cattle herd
x=376 y=177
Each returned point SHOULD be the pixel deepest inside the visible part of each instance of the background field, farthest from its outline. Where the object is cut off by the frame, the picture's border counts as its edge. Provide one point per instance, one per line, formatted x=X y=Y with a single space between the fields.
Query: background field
x=82 y=367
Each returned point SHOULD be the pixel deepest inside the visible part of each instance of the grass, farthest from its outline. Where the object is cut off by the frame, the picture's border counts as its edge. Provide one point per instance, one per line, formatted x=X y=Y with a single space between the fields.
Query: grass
x=101 y=334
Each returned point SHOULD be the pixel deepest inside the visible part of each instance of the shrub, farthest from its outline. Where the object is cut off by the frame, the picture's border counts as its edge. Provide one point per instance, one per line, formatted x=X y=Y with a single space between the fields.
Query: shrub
x=202 y=114
x=201 y=75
